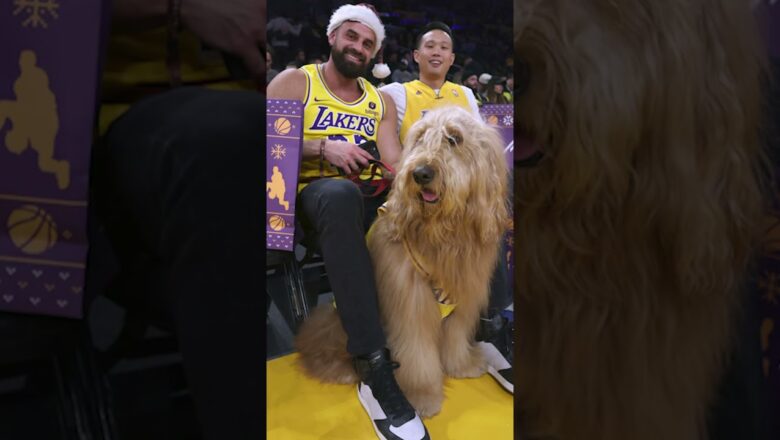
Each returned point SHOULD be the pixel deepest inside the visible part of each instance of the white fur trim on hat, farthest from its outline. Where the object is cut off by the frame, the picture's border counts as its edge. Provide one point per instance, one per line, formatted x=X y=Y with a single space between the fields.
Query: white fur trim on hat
x=380 y=71
x=363 y=15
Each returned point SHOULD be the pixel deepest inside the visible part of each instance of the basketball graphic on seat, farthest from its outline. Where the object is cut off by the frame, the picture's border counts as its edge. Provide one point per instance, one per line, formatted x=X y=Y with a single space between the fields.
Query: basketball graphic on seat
x=32 y=229
x=277 y=223
x=282 y=126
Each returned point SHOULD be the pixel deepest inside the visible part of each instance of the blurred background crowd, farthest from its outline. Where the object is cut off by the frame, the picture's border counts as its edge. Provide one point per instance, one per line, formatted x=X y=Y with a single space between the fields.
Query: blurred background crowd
x=482 y=32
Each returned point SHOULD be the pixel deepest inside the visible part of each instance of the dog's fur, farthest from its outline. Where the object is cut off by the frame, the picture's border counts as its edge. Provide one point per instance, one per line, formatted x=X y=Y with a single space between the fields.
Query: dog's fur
x=457 y=238
x=636 y=229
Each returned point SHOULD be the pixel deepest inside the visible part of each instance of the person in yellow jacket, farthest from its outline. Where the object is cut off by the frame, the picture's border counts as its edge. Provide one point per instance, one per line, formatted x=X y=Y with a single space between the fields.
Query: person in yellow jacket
x=434 y=54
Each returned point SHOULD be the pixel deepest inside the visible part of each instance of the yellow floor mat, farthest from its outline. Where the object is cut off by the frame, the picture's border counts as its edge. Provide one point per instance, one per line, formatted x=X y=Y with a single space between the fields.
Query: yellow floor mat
x=300 y=408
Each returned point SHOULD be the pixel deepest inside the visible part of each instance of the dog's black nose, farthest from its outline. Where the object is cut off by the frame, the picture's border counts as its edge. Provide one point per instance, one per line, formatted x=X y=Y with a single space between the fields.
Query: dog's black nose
x=423 y=174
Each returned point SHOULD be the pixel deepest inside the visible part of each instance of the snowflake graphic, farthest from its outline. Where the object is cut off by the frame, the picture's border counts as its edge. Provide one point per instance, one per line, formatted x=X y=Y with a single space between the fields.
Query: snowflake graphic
x=36 y=10
x=770 y=288
x=508 y=120
x=278 y=151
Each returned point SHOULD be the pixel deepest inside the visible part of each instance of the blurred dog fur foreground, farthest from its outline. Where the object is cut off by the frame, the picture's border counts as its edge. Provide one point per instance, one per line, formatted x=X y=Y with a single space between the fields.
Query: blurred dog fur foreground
x=451 y=219
x=638 y=226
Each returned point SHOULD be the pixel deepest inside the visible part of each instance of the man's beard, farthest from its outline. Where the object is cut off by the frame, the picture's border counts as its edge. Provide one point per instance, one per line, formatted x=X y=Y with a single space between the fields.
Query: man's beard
x=345 y=67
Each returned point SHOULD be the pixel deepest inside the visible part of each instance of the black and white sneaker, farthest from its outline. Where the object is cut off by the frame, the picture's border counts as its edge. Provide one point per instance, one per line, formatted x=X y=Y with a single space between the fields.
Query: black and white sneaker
x=391 y=414
x=496 y=341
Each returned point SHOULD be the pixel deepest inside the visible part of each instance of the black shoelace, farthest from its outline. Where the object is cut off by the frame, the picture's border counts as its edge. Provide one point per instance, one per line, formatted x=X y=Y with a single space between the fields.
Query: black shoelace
x=389 y=395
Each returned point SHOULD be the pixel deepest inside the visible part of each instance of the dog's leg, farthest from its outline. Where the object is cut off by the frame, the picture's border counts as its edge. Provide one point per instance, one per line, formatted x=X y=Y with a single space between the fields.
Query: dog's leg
x=459 y=354
x=413 y=326
x=411 y=321
x=420 y=375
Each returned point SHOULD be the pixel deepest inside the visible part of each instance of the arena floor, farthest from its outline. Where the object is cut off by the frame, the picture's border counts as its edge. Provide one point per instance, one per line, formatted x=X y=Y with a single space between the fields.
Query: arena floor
x=301 y=408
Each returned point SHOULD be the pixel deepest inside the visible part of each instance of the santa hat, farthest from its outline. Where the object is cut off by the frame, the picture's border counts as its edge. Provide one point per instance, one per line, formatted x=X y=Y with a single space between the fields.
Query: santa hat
x=362 y=14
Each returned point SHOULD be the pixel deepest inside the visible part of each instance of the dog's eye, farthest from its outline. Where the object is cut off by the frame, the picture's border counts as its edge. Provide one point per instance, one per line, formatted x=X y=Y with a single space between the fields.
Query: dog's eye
x=454 y=139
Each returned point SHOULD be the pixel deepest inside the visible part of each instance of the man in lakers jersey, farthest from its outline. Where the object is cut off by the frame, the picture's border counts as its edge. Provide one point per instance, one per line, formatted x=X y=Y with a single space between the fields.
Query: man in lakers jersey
x=434 y=55
x=341 y=111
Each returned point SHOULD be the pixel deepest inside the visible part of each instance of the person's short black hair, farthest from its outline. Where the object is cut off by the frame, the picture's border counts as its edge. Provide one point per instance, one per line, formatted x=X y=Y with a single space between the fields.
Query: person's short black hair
x=432 y=26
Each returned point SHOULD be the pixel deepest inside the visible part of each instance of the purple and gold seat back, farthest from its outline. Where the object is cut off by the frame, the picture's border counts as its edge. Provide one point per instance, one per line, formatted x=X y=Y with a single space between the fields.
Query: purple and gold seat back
x=49 y=63
x=501 y=116
x=284 y=132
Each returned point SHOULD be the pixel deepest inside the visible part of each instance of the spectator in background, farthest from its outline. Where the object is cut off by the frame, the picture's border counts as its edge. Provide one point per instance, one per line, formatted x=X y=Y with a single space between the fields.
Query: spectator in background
x=509 y=66
x=403 y=74
x=312 y=37
x=482 y=87
x=470 y=67
x=392 y=59
x=281 y=32
x=300 y=58
x=509 y=90
x=270 y=72
x=471 y=81
x=495 y=92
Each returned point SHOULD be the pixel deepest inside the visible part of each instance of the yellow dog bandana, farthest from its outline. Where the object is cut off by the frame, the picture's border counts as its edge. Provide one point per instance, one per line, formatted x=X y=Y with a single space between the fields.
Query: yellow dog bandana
x=445 y=304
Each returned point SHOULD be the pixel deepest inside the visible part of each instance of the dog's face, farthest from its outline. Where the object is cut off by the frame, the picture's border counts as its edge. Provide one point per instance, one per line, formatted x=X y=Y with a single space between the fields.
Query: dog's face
x=452 y=170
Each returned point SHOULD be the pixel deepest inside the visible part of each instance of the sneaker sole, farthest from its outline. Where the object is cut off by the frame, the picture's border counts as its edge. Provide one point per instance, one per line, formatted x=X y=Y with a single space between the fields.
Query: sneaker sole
x=500 y=379
x=365 y=407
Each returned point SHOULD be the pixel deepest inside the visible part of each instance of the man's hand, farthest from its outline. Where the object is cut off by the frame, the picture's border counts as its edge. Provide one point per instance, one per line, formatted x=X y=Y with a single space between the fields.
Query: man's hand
x=347 y=156
x=235 y=26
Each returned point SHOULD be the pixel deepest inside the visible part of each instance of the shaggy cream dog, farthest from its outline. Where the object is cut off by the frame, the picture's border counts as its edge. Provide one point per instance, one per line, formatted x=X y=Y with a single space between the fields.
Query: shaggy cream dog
x=433 y=247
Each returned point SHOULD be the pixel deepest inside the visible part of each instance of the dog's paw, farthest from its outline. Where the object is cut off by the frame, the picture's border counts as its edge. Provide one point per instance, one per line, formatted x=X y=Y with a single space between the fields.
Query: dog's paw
x=474 y=366
x=426 y=405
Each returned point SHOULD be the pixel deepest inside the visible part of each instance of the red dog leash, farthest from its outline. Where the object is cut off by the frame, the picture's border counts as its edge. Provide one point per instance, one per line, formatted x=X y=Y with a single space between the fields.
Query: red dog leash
x=370 y=186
